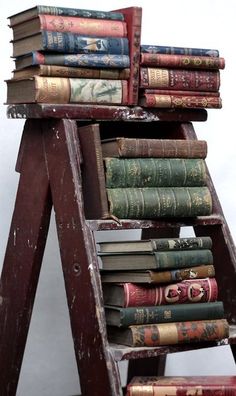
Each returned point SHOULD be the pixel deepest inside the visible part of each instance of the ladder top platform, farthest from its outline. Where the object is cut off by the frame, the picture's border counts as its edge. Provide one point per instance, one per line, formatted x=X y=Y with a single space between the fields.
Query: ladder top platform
x=104 y=112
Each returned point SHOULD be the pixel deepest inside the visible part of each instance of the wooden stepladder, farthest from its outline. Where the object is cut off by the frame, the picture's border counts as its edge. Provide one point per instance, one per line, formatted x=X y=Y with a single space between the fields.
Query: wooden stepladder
x=49 y=163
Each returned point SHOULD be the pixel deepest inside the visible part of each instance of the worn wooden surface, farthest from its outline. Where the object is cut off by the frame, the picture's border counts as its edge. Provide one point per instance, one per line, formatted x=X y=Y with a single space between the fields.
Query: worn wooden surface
x=102 y=112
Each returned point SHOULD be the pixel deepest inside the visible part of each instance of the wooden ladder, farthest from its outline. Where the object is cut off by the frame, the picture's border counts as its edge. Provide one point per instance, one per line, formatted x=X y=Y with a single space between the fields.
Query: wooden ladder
x=49 y=163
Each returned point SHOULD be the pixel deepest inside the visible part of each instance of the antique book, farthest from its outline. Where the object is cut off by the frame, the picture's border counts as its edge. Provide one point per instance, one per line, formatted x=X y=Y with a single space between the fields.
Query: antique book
x=154 y=172
x=179 y=92
x=124 y=317
x=69 y=43
x=152 y=335
x=132 y=147
x=67 y=71
x=133 y=19
x=182 y=61
x=154 y=202
x=66 y=90
x=180 y=79
x=61 y=23
x=152 y=245
x=162 y=49
x=73 y=60
x=155 y=260
x=33 y=12
x=180 y=101
x=187 y=291
x=157 y=277
x=209 y=385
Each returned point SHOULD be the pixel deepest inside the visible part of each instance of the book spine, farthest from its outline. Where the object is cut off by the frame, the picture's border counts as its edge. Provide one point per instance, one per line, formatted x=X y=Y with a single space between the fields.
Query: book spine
x=154 y=172
x=190 y=80
x=73 y=43
x=76 y=12
x=181 y=102
x=179 y=332
x=83 y=26
x=187 y=291
x=157 y=49
x=170 y=313
x=73 y=72
x=161 y=148
x=182 y=61
x=75 y=90
x=185 y=93
x=201 y=271
x=151 y=202
x=182 y=243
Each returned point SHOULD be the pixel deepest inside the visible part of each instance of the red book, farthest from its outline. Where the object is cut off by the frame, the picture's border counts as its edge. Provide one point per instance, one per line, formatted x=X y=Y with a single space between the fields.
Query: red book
x=180 y=101
x=134 y=295
x=133 y=19
x=182 y=61
x=189 y=80
x=183 y=386
x=185 y=93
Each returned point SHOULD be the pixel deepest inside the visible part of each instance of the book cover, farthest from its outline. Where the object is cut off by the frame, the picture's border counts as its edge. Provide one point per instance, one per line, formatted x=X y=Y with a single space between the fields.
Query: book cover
x=154 y=202
x=78 y=25
x=209 y=385
x=152 y=245
x=30 y=13
x=180 y=101
x=66 y=90
x=157 y=277
x=179 y=92
x=162 y=49
x=156 y=260
x=182 y=61
x=180 y=79
x=153 y=335
x=133 y=19
x=154 y=172
x=133 y=295
x=164 y=148
x=67 y=43
x=124 y=317
x=73 y=72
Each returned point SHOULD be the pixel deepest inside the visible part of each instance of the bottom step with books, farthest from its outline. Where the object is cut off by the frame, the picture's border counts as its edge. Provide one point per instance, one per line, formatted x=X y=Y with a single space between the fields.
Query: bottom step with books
x=50 y=165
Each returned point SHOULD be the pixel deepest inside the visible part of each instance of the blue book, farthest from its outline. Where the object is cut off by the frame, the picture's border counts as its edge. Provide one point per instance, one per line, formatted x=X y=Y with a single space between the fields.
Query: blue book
x=159 y=49
x=74 y=60
x=75 y=12
x=66 y=42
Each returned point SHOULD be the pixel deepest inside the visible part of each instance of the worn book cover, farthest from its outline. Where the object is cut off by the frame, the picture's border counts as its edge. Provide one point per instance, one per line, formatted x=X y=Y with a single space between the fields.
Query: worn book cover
x=133 y=295
x=165 y=49
x=210 y=385
x=182 y=61
x=180 y=101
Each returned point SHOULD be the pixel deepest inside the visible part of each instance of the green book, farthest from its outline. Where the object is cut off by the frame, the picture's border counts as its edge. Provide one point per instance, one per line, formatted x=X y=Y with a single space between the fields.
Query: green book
x=154 y=172
x=155 y=260
x=151 y=202
x=124 y=317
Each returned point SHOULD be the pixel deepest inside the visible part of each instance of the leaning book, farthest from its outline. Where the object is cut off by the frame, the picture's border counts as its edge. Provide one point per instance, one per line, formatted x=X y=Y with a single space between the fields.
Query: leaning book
x=209 y=385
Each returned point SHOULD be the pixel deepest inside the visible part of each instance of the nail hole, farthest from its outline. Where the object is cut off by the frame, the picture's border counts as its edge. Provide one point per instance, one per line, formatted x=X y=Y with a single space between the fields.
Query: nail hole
x=77 y=268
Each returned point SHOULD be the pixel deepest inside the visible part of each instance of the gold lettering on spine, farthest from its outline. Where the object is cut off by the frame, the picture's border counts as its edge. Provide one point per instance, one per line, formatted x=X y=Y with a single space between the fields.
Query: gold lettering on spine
x=168 y=334
x=141 y=390
x=52 y=90
x=158 y=78
x=162 y=100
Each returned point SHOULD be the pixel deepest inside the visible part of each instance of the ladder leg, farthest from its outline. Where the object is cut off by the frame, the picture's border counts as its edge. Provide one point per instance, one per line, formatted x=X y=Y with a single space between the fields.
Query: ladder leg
x=98 y=372
x=23 y=258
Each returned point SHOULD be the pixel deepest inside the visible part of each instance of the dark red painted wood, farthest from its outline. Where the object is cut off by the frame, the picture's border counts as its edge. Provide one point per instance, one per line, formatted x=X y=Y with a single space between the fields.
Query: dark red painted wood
x=104 y=112
x=23 y=258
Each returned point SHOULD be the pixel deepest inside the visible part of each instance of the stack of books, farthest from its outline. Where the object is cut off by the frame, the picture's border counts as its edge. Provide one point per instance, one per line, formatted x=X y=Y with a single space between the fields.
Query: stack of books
x=178 y=77
x=161 y=292
x=210 y=385
x=67 y=55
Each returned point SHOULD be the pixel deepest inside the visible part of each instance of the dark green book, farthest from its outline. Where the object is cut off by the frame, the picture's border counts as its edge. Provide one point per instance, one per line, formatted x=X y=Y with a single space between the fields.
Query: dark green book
x=151 y=202
x=155 y=260
x=124 y=317
x=154 y=172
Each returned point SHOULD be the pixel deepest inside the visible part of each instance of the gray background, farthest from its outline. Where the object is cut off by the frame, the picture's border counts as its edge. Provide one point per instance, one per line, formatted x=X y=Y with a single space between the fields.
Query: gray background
x=49 y=364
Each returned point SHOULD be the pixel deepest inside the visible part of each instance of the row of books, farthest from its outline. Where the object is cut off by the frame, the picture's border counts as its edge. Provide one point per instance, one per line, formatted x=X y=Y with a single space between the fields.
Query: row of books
x=159 y=178
x=65 y=55
x=178 y=304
